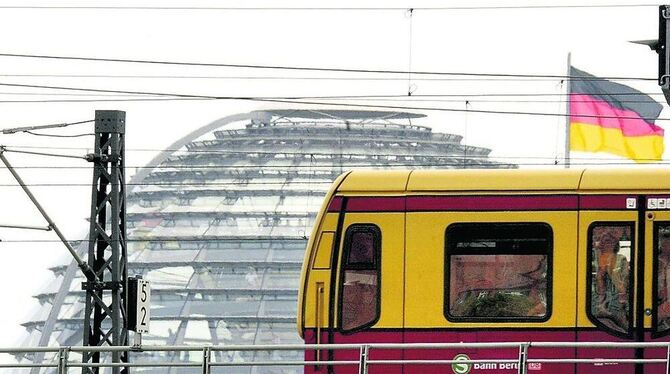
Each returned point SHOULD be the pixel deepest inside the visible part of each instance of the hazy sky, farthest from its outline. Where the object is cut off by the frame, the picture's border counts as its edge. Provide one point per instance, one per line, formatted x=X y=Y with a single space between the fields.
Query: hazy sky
x=516 y=41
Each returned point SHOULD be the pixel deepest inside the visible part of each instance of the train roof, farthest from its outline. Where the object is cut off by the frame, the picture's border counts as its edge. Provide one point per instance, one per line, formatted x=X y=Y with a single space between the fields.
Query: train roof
x=400 y=181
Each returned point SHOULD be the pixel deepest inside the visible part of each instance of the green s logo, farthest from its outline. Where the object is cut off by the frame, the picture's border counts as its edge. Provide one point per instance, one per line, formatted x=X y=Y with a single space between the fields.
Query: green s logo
x=459 y=368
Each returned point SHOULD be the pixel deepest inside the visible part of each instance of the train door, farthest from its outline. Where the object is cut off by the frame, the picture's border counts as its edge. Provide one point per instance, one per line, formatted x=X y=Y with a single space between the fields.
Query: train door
x=368 y=288
x=624 y=282
x=606 y=263
x=655 y=310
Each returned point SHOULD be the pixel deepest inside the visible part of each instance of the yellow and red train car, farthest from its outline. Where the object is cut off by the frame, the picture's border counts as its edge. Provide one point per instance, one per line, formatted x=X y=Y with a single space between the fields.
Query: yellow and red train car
x=490 y=256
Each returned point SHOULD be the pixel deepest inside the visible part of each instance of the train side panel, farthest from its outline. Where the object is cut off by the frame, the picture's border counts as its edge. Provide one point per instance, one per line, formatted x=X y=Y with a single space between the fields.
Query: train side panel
x=427 y=286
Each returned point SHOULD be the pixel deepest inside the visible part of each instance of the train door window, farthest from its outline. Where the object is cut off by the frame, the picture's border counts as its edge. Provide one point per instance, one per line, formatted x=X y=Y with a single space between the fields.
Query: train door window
x=662 y=277
x=359 y=292
x=610 y=284
x=498 y=272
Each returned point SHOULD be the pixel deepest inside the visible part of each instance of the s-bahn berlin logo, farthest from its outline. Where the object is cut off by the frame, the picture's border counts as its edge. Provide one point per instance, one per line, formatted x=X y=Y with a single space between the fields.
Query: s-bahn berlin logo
x=465 y=367
x=461 y=368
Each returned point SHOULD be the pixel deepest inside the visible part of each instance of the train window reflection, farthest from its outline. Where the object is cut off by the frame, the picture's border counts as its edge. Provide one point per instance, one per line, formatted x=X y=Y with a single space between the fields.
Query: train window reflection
x=662 y=277
x=359 y=300
x=498 y=271
x=611 y=285
x=361 y=250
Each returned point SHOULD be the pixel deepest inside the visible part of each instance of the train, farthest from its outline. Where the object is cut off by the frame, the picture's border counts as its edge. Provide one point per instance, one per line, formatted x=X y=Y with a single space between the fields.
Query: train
x=448 y=256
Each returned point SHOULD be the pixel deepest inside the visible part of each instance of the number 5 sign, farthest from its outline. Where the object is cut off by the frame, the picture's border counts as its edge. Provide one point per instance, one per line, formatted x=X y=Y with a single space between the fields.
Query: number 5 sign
x=139 y=301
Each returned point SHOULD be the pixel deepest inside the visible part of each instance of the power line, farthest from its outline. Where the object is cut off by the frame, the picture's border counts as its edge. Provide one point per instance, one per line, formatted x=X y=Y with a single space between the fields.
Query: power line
x=487 y=94
x=101 y=100
x=382 y=162
x=289 y=153
x=188 y=152
x=399 y=98
x=283 y=167
x=5 y=149
x=299 y=100
x=49 y=126
x=367 y=9
x=508 y=101
x=160 y=184
x=234 y=152
x=58 y=136
x=306 y=68
x=286 y=167
x=315 y=182
x=256 y=77
x=150 y=239
x=142 y=95
x=60 y=94
x=306 y=167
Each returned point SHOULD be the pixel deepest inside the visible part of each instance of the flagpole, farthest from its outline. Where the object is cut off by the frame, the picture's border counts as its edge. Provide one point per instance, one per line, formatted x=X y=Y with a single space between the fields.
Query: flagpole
x=567 y=116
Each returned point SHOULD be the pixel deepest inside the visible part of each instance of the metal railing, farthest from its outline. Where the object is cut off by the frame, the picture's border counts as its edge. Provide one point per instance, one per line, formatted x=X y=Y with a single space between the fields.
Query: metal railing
x=62 y=360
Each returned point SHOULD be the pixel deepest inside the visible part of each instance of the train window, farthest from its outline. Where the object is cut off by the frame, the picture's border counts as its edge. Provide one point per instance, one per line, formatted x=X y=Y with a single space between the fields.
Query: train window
x=610 y=285
x=662 y=277
x=359 y=292
x=498 y=272
x=324 y=250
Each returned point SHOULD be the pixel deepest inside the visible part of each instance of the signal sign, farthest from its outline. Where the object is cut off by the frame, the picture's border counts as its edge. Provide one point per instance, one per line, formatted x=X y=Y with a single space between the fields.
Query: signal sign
x=139 y=303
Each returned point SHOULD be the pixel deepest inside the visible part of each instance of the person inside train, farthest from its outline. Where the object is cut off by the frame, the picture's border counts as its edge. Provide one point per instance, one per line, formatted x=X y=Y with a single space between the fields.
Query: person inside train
x=360 y=291
x=610 y=289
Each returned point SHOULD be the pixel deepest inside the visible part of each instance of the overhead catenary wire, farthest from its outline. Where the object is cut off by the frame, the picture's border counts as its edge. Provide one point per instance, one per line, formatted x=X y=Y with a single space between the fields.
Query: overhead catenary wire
x=368 y=9
x=141 y=94
x=283 y=167
x=150 y=239
x=285 y=153
x=308 y=68
x=100 y=100
x=48 y=126
x=374 y=98
x=299 y=100
x=303 y=167
x=406 y=98
x=282 y=182
x=5 y=149
x=303 y=153
x=288 y=77
x=57 y=135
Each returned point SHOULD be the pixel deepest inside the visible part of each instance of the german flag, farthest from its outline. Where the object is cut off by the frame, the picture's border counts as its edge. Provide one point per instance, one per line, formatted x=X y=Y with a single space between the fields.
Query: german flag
x=613 y=118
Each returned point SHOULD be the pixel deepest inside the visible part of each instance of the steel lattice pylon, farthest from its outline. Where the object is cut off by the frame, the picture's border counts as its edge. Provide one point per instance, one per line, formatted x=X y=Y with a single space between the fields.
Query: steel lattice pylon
x=105 y=314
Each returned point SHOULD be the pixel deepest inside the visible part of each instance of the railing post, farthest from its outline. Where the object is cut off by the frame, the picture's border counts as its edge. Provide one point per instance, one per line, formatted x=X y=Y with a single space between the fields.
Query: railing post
x=523 y=358
x=63 y=354
x=363 y=360
x=206 y=359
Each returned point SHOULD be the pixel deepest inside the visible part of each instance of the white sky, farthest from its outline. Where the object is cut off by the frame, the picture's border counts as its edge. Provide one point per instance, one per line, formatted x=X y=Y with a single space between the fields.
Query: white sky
x=521 y=41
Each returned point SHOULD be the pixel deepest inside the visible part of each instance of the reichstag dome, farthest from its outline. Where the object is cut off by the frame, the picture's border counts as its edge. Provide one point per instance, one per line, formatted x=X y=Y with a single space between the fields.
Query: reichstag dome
x=219 y=221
